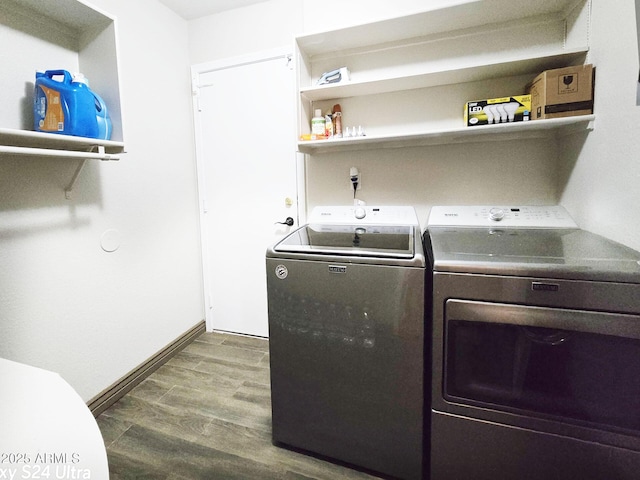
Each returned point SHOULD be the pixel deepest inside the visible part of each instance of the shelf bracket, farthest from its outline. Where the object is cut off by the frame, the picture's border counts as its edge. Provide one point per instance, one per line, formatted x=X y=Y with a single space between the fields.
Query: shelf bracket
x=69 y=189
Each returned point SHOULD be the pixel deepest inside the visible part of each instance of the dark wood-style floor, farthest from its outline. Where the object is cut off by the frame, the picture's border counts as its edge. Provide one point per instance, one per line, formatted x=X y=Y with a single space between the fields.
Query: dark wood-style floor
x=206 y=414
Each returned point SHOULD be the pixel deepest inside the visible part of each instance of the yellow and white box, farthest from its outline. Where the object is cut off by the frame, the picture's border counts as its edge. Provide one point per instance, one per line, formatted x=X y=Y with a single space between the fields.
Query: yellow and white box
x=498 y=110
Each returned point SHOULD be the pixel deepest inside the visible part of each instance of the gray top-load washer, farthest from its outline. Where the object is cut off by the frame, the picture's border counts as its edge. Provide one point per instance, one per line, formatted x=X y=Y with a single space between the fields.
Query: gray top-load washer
x=346 y=338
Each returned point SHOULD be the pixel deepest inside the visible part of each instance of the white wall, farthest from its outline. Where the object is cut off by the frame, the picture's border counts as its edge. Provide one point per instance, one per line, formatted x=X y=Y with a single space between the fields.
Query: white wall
x=596 y=176
x=275 y=23
x=65 y=304
x=333 y=14
x=600 y=183
x=241 y=31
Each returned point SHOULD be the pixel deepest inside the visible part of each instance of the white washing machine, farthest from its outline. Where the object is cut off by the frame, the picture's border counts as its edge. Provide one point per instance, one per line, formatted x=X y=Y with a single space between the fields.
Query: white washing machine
x=536 y=347
x=346 y=338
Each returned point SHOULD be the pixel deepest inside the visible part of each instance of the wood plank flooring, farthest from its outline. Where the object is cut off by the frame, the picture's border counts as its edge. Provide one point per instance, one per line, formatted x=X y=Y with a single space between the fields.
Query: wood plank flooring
x=206 y=414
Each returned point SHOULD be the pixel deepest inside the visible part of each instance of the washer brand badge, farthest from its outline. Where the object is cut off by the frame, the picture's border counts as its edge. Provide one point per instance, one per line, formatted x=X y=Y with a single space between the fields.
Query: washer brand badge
x=282 y=272
x=337 y=269
x=545 y=287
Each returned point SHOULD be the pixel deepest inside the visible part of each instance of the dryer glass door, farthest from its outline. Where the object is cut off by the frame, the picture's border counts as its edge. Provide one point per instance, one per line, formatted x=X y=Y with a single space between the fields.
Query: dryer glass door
x=580 y=366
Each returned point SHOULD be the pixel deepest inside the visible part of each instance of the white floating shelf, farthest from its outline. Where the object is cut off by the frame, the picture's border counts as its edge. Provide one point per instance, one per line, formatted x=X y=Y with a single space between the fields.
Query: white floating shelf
x=467 y=14
x=28 y=143
x=485 y=133
x=484 y=71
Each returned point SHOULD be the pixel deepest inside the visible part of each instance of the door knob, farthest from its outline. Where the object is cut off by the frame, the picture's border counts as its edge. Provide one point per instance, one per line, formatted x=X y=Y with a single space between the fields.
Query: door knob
x=289 y=221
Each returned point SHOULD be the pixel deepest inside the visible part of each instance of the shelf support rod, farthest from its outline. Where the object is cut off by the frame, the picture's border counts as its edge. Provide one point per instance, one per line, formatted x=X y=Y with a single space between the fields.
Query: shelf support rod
x=76 y=174
x=69 y=189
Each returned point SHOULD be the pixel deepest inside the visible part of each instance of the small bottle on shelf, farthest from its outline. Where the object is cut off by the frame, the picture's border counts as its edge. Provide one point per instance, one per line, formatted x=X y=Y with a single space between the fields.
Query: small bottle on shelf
x=337 y=120
x=318 y=123
x=328 y=125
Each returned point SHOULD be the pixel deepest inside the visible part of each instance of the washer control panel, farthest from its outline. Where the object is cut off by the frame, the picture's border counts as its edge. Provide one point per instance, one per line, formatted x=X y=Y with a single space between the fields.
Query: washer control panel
x=535 y=216
x=364 y=214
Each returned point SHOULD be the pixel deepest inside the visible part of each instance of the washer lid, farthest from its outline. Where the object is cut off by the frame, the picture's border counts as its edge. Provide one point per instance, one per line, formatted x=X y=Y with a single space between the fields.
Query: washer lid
x=383 y=241
x=548 y=253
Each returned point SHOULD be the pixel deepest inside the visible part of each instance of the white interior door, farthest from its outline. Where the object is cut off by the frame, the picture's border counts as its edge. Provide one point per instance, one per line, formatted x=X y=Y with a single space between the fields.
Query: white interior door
x=248 y=181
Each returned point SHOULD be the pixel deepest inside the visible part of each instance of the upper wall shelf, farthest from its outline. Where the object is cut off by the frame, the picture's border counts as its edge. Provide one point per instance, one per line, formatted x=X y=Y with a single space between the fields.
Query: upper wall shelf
x=65 y=34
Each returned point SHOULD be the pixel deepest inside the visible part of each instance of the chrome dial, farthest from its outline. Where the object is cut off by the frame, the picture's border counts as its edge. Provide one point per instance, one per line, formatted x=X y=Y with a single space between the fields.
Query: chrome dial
x=496 y=214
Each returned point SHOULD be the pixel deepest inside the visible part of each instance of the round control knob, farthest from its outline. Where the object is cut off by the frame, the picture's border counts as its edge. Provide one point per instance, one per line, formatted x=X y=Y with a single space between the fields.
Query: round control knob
x=360 y=213
x=496 y=214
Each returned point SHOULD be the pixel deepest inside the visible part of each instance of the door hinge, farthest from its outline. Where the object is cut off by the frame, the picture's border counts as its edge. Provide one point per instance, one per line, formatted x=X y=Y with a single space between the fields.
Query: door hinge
x=195 y=92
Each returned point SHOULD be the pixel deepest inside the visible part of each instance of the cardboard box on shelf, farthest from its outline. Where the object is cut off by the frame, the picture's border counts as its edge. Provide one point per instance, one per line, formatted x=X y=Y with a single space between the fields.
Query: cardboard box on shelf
x=562 y=92
x=497 y=110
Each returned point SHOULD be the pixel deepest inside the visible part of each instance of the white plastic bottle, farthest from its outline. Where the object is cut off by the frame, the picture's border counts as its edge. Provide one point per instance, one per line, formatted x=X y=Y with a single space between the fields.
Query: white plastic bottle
x=317 y=123
x=328 y=125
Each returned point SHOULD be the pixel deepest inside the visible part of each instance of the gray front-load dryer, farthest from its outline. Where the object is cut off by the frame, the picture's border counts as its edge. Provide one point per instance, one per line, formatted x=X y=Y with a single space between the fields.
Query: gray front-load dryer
x=346 y=338
x=536 y=347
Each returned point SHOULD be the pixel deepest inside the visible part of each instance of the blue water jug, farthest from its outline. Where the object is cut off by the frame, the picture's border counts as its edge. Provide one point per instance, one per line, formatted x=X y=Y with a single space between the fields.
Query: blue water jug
x=66 y=105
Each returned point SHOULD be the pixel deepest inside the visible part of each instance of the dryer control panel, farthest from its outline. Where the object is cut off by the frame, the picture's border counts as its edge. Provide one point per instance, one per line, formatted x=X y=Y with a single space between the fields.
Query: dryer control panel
x=535 y=216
